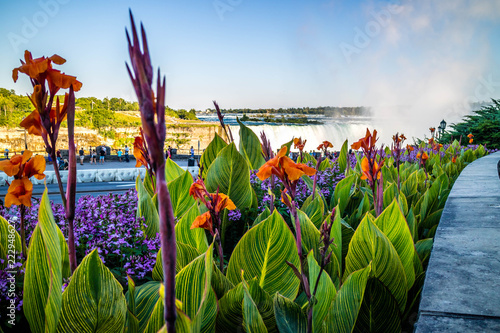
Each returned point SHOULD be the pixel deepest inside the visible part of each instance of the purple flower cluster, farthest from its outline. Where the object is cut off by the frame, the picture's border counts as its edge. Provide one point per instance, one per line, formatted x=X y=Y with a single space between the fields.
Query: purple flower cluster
x=107 y=223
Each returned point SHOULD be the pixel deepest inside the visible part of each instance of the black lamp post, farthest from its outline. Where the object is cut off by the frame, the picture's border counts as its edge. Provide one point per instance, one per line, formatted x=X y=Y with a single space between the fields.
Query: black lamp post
x=441 y=128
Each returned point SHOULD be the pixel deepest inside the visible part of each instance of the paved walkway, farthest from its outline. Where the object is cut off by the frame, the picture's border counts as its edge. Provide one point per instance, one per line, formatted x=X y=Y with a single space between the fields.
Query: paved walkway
x=462 y=286
x=115 y=165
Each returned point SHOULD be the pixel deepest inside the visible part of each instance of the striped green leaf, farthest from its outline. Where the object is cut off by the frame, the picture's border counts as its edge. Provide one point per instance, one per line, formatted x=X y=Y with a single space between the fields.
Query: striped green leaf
x=393 y=224
x=288 y=146
x=172 y=170
x=230 y=173
x=147 y=209
x=193 y=237
x=370 y=244
x=10 y=243
x=325 y=294
x=342 y=159
x=315 y=209
x=179 y=194
x=149 y=183
x=93 y=300
x=43 y=275
x=146 y=297
x=262 y=252
x=156 y=322
x=250 y=147
x=289 y=316
x=379 y=310
x=185 y=254
x=252 y=320
x=211 y=152
x=204 y=310
x=190 y=288
x=347 y=303
x=230 y=316
x=307 y=158
x=132 y=321
x=311 y=242
x=342 y=193
x=325 y=165
x=423 y=248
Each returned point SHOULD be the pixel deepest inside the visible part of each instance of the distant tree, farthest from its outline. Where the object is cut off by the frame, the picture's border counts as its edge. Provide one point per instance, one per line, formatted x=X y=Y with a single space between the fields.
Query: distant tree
x=484 y=124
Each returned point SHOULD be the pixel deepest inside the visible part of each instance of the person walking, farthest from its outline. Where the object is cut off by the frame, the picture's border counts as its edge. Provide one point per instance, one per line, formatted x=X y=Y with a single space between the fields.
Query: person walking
x=192 y=152
x=126 y=153
x=82 y=155
x=6 y=154
x=94 y=156
x=119 y=153
x=90 y=154
x=102 y=153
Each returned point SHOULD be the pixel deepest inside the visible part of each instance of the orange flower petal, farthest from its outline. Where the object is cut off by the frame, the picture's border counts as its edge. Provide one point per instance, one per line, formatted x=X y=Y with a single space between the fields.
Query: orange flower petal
x=224 y=202
x=35 y=167
x=203 y=221
x=57 y=59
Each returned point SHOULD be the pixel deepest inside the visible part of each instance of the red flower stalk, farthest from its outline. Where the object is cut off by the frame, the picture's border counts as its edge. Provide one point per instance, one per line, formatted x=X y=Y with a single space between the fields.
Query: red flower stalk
x=299 y=144
x=370 y=167
x=71 y=185
x=324 y=146
x=221 y=120
x=268 y=154
x=153 y=124
x=397 y=148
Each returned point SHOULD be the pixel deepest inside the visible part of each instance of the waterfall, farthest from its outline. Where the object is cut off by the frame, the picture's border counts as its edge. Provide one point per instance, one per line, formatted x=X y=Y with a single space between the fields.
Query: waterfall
x=335 y=132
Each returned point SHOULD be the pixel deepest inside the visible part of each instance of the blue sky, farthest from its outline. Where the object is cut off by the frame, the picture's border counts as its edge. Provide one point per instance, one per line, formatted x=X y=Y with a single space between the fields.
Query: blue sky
x=407 y=59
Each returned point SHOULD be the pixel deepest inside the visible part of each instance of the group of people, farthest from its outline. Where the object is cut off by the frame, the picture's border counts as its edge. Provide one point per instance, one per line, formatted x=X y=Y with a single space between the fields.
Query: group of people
x=102 y=152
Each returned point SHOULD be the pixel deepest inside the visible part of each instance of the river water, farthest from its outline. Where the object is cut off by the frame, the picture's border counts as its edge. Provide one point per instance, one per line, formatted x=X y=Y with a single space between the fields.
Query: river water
x=335 y=130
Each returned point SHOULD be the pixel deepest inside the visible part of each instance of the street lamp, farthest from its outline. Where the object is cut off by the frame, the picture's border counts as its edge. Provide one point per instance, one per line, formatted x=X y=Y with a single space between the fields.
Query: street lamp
x=443 y=124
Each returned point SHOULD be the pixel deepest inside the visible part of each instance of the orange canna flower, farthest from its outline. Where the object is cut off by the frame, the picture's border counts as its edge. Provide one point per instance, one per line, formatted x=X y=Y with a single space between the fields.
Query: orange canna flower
x=140 y=152
x=365 y=168
x=409 y=148
x=33 y=123
x=432 y=129
x=58 y=80
x=471 y=140
x=470 y=136
x=40 y=69
x=325 y=145
x=203 y=221
x=19 y=193
x=198 y=190
x=367 y=142
x=299 y=144
x=11 y=167
x=35 y=167
x=454 y=159
x=403 y=137
x=431 y=141
x=222 y=201
x=424 y=156
x=282 y=166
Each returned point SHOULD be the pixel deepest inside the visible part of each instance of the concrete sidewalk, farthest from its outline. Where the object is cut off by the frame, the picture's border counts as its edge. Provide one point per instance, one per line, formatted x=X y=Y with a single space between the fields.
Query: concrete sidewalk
x=461 y=292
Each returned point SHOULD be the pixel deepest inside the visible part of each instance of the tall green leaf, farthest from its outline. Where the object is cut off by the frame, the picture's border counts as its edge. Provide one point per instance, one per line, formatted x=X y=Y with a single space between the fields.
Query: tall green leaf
x=93 y=300
x=342 y=159
x=179 y=194
x=10 y=243
x=211 y=152
x=230 y=316
x=132 y=321
x=315 y=209
x=370 y=244
x=347 y=304
x=325 y=293
x=147 y=209
x=289 y=316
x=250 y=147
x=191 y=283
x=342 y=193
x=185 y=254
x=393 y=224
x=252 y=320
x=230 y=173
x=193 y=237
x=263 y=252
x=172 y=170
x=43 y=275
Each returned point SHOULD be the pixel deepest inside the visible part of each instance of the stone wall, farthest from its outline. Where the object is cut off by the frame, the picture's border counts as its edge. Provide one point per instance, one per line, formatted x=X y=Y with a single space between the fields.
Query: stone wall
x=180 y=136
